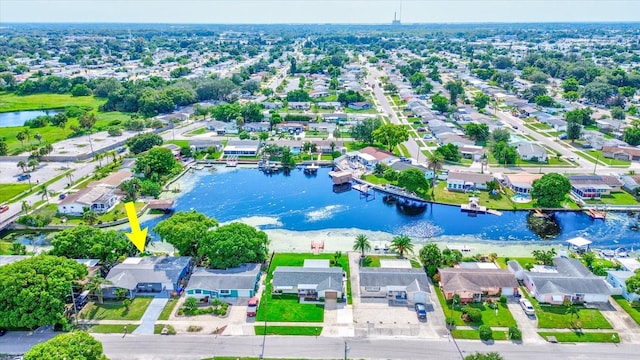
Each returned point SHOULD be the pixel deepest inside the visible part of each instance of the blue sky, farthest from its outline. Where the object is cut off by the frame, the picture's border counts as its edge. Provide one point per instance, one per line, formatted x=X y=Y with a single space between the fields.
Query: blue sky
x=315 y=11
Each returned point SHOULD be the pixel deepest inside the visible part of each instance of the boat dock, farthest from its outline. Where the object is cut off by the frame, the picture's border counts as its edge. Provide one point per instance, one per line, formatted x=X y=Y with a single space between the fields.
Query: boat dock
x=311 y=169
x=365 y=191
x=597 y=214
x=341 y=177
x=232 y=161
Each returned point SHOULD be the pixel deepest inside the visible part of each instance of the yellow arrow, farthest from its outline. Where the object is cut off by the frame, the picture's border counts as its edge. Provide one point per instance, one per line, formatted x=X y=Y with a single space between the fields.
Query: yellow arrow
x=138 y=237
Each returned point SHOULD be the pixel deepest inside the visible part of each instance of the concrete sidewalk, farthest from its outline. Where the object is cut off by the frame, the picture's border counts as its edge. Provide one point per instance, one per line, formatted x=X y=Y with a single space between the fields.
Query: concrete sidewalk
x=151 y=315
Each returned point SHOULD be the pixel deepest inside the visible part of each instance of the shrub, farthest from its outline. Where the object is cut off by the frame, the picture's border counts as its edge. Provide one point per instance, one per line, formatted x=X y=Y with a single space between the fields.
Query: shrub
x=471 y=314
x=190 y=305
x=503 y=299
x=486 y=333
x=515 y=333
x=193 y=328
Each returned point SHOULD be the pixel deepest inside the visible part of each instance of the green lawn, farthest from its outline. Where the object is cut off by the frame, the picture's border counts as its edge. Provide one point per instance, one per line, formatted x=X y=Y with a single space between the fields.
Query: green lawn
x=8 y=191
x=199 y=131
x=157 y=329
x=375 y=179
x=111 y=328
x=166 y=312
x=612 y=162
x=288 y=330
x=615 y=198
x=634 y=312
x=571 y=337
x=502 y=261
x=374 y=260
x=116 y=213
x=11 y=102
x=475 y=335
x=556 y=317
x=115 y=310
x=489 y=317
x=502 y=201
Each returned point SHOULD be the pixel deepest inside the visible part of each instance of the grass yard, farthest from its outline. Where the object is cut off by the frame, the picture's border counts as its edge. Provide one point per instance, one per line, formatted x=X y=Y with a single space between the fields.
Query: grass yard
x=374 y=261
x=116 y=213
x=475 y=334
x=615 y=198
x=166 y=312
x=489 y=317
x=288 y=330
x=157 y=329
x=11 y=102
x=611 y=162
x=8 y=191
x=111 y=328
x=375 y=179
x=502 y=261
x=181 y=143
x=199 y=131
x=634 y=312
x=502 y=201
x=115 y=310
x=573 y=337
x=556 y=317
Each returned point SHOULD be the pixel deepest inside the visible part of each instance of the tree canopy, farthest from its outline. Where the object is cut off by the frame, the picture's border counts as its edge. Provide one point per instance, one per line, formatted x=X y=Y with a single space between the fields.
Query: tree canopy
x=143 y=142
x=158 y=162
x=33 y=290
x=77 y=345
x=184 y=230
x=391 y=135
x=550 y=190
x=364 y=130
x=413 y=180
x=86 y=242
x=232 y=245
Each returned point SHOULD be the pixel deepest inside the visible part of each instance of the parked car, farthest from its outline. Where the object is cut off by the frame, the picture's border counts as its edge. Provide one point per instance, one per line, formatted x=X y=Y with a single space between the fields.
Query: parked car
x=23 y=177
x=527 y=307
x=3 y=331
x=4 y=207
x=421 y=311
x=252 y=306
x=62 y=196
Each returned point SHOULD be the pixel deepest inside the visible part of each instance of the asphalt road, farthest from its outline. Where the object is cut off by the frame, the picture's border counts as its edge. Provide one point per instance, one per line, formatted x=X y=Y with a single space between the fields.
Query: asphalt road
x=199 y=346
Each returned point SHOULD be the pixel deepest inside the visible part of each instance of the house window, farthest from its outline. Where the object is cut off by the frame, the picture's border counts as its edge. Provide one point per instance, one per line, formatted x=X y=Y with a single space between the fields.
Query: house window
x=224 y=292
x=198 y=291
x=372 y=288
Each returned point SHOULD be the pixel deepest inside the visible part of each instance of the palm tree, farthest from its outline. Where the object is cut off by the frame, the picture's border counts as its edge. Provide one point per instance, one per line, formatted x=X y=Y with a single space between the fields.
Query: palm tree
x=90 y=217
x=401 y=244
x=434 y=162
x=362 y=244
x=572 y=310
x=94 y=285
x=45 y=191
x=32 y=164
x=25 y=207
x=20 y=136
x=38 y=137
x=22 y=165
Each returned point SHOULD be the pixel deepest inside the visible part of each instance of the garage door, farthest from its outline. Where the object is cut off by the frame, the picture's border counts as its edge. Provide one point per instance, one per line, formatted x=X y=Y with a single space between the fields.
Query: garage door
x=420 y=297
x=331 y=295
x=507 y=291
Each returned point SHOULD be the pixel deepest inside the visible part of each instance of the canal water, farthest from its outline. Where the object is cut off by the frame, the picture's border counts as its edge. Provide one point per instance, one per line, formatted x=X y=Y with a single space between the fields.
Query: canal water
x=17 y=118
x=300 y=202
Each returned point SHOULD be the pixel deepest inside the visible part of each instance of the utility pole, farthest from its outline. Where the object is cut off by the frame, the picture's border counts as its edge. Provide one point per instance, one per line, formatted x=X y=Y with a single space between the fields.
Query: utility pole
x=596 y=163
x=346 y=350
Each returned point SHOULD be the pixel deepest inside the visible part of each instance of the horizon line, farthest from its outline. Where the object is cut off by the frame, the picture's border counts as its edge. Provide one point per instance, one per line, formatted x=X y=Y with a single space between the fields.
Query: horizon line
x=327 y=23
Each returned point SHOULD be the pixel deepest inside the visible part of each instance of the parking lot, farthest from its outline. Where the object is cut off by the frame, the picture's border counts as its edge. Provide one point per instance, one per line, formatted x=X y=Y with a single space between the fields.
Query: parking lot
x=45 y=171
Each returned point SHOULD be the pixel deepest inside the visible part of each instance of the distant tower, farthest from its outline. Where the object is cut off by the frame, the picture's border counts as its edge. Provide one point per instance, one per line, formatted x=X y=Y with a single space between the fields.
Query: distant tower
x=397 y=20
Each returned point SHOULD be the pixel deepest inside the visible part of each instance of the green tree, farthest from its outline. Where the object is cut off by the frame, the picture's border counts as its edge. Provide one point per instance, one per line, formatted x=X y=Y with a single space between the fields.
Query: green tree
x=439 y=103
x=4 y=148
x=142 y=142
x=185 y=230
x=363 y=131
x=504 y=153
x=478 y=132
x=570 y=84
x=22 y=165
x=95 y=284
x=90 y=217
x=431 y=257
x=571 y=95
x=17 y=248
x=362 y=244
x=77 y=345
x=274 y=120
x=618 y=113
x=87 y=120
x=21 y=136
x=481 y=100
x=588 y=257
x=231 y=245
x=574 y=130
x=413 y=180
x=544 y=100
x=391 y=135
x=484 y=356
x=632 y=134
x=544 y=257
x=33 y=290
x=572 y=311
x=401 y=244
x=455 y=88
x=633 y=283
x=80 y=90
x=159 y=161
x=434 y=162
x=87 y=242
x=550 y=190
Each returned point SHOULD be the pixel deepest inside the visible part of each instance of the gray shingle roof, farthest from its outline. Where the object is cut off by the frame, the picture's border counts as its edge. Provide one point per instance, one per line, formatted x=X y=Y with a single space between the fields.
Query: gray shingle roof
x=328 y=278
x=462 y=279
x=571 y=278
x=242 y=277
x=414 y=279
x=151 y=269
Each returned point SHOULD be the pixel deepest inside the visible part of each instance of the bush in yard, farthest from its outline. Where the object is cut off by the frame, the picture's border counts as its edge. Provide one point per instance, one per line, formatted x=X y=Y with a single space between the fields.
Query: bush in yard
x=503 y=299
x=193 y=328
x=190 y=305
x=486 y=333
x=470 y=314
x=515 y=333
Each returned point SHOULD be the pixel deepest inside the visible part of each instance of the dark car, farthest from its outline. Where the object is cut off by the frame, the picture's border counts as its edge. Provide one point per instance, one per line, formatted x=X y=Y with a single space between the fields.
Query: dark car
x=421 y=311
x=3 y=331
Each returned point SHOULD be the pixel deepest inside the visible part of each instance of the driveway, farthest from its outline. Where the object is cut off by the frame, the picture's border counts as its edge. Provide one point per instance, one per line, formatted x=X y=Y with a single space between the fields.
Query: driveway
x=621 y=321
x=527 y=324
x=151 y=315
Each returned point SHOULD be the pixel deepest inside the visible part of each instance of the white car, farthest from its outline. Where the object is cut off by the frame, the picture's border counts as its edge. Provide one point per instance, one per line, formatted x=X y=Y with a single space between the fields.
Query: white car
x=527 y=307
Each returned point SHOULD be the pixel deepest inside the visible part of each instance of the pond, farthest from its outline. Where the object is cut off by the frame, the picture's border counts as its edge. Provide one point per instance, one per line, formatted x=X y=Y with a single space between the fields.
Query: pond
x=17 y=118
x=300 y=202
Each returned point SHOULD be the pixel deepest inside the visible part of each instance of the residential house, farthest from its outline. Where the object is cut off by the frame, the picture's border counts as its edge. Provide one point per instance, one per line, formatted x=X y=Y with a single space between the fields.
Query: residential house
x=325 y=146
x=475 y=283
x=398 y=283
x=113 y=180
x=521 y=183
x=531 y=152
x=291 y=128
x=175 y=149
x=594 y=186
x=472 y=152
x=299 y=105
x=322 y=127
x=362 y=105
x=205 y=144
x=568 y=280
x=467 y=181
x=451 y=137
x=242 y=147
x=313 y=281
x=630 y=183
x=318 y=93
x=371 y=156
x=272 y=105
x=335 y=105
x=99 y=199
x=626 y=153
x=617 y=280
x=222 y=128
x=228 y=284
x=333 y=117
x=148 y=275
x=257 y=126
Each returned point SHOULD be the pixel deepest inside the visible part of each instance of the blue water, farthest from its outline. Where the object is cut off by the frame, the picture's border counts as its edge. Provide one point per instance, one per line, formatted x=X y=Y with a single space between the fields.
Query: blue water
x=17 y=118
x=300 y=203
